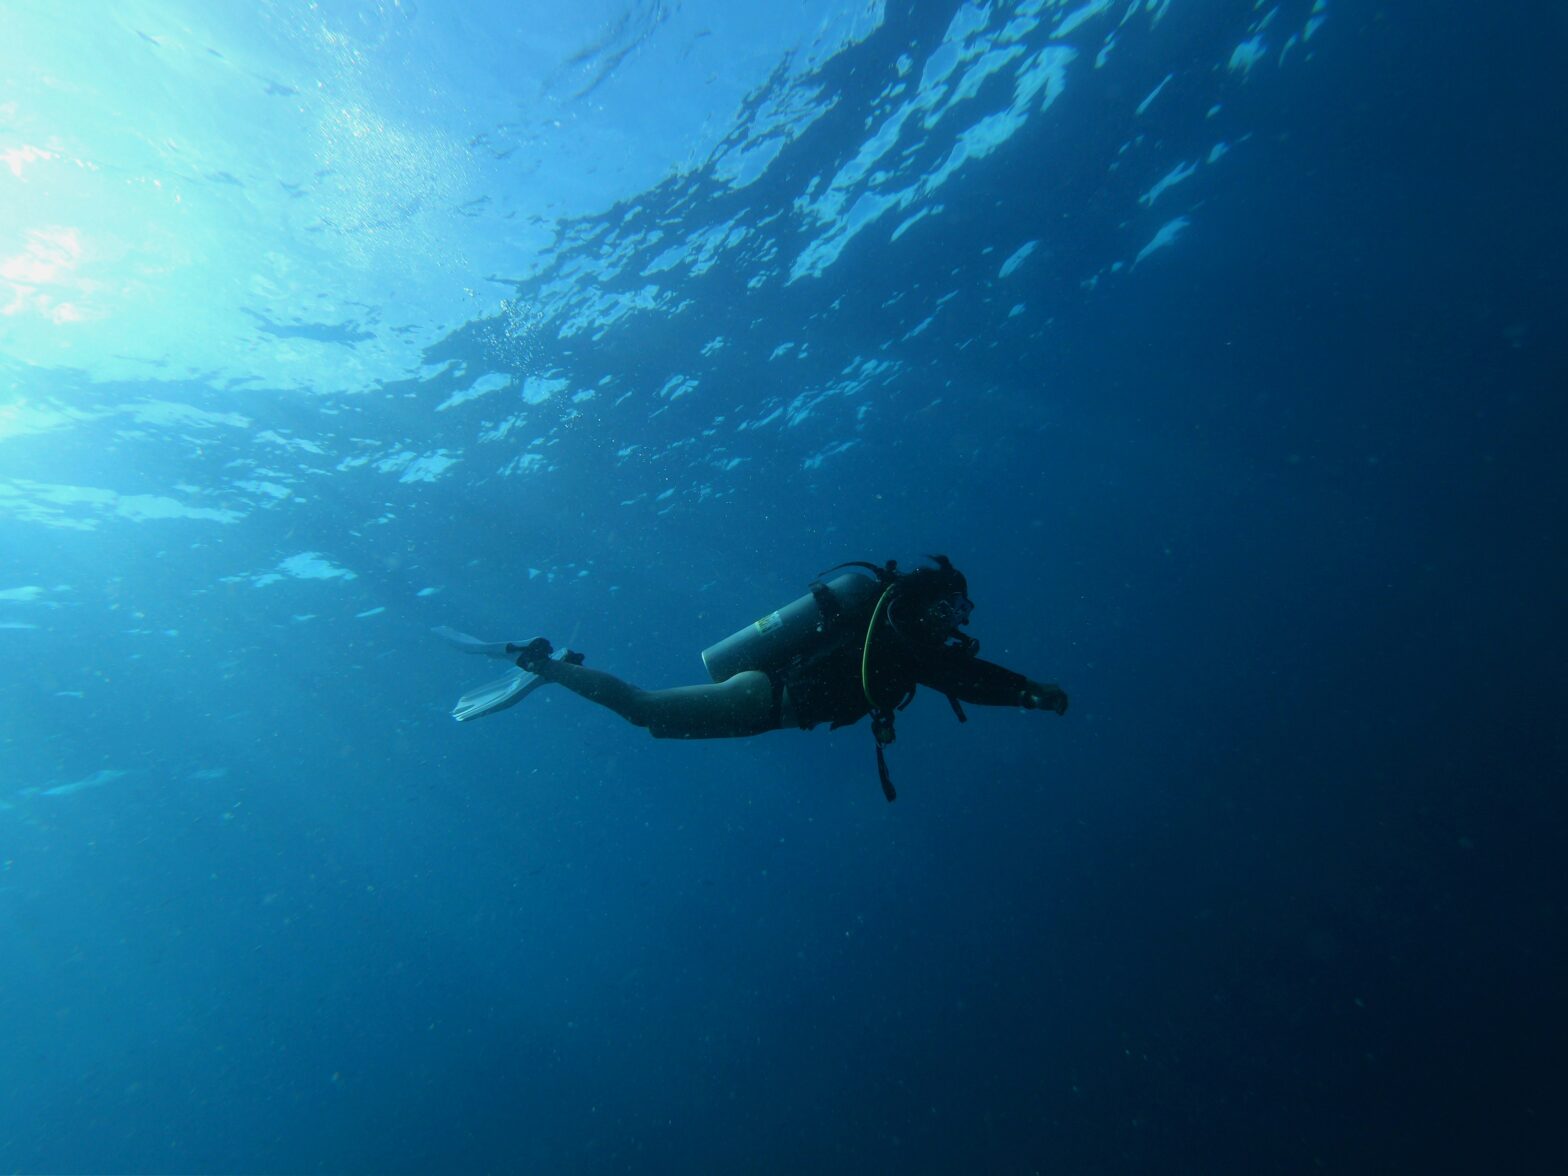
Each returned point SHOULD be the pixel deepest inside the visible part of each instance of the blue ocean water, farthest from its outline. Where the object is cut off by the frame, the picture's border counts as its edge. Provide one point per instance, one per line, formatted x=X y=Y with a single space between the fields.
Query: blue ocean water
x=1220 y=343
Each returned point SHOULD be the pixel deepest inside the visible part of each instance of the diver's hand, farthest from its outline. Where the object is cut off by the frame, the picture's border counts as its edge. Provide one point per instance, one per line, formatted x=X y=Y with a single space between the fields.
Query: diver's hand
x=1038 y=696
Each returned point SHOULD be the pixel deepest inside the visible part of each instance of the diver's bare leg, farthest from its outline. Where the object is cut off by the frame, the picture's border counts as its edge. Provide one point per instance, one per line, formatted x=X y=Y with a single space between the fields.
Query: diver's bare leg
x=739 y=706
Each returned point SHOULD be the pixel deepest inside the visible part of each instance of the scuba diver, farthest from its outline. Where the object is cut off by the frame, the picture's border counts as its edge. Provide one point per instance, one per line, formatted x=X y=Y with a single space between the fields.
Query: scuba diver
x=853 y=646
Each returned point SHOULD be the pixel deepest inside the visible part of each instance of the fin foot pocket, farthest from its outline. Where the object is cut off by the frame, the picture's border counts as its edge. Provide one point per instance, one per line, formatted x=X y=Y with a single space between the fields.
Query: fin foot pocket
x=532 y=653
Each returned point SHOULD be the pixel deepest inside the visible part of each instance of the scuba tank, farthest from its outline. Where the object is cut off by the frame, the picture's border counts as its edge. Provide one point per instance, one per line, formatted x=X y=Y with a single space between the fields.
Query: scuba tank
x=801 y=628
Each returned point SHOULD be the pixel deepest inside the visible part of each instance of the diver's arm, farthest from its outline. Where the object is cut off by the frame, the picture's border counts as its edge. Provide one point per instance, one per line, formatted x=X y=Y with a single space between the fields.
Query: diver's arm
x=972 y=679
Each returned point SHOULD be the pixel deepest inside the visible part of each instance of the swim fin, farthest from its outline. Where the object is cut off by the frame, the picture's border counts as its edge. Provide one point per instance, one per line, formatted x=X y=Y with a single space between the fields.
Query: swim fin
x=496 y=696
x=508 y=690
x=506 y=649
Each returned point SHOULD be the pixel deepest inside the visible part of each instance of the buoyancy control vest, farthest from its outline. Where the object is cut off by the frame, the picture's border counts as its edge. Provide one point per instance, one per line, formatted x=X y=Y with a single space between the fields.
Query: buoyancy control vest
x=822 y=621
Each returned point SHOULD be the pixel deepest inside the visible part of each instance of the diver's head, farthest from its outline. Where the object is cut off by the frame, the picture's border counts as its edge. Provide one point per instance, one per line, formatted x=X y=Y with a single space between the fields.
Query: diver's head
x=931 y=604
x=947 y=613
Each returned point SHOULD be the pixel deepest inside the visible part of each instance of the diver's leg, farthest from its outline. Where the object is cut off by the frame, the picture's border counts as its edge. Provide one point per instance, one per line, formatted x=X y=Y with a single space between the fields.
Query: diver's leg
x=739 y=706
x=736 y=707
x=596 y=686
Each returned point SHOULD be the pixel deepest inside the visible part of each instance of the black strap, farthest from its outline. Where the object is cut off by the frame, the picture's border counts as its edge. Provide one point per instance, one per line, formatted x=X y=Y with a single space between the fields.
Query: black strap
x=958 y=709
x=887 y=780
x=882 y=731
x=827 y=604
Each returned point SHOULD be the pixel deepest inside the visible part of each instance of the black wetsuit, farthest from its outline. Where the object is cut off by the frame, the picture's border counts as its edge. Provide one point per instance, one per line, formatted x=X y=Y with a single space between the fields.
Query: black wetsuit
x=828 y=688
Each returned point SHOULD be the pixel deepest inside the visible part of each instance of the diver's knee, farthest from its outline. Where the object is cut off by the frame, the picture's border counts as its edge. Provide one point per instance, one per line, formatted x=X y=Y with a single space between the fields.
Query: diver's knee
x=640 y=710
